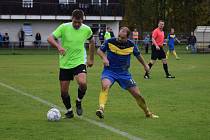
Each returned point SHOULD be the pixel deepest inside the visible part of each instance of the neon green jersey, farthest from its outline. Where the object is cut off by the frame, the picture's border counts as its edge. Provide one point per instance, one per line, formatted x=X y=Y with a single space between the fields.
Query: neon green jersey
x=73 y=41
x=107 y=35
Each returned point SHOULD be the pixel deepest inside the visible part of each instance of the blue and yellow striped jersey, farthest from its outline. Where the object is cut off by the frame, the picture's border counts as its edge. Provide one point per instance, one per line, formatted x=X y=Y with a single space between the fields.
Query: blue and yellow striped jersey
x=119 y=53
x=171 y=39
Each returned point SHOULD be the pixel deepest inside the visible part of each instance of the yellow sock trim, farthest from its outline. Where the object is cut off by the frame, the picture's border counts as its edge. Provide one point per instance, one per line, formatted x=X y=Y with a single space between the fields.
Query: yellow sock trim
x=174 y=53
x=103 y=98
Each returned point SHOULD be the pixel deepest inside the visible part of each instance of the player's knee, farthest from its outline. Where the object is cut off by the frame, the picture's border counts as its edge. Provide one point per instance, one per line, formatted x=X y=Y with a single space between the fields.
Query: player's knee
x=164 y=61
x=64 y=89
x=83 y=85
x=136 y=95
x=105 y=87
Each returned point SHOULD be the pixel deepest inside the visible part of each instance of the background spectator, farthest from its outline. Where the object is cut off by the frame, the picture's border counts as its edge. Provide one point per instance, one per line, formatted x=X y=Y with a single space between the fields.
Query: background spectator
x=6 y=40
x=21 y=36
x=38 y=39
x=107 y=35
x=147 y=42
x=111 y=33
x=101 y=35
x=135 y=36
x=1 y=39
x=192 y=42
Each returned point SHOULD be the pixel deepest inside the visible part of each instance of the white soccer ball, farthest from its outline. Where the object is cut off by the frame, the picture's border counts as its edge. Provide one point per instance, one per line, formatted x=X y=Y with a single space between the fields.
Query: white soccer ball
x=53 y=114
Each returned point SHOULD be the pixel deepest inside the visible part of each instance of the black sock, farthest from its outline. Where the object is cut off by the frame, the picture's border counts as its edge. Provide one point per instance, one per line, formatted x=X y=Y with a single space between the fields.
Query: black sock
x=66 y=100
x=165 y=67
x=150 y=66
x=81 y=94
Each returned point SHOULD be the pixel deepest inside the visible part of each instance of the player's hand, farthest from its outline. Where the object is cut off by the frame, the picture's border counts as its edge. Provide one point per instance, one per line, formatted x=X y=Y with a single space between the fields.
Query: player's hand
x=106 y=62
x=146 y=68
x=61 y=50
x=157 y=48
x=90 y=63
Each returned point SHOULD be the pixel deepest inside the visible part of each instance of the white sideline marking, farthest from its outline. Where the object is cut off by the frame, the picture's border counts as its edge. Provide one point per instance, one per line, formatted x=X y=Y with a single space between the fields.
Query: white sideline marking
x=99 y=124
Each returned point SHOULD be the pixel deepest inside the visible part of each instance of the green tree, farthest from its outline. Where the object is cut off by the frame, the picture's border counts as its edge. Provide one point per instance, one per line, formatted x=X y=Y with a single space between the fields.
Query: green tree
x=183 y=15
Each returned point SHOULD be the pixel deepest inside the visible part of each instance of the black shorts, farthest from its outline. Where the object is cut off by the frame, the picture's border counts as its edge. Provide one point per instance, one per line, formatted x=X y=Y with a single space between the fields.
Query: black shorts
x=157 y=54
x=68 y=74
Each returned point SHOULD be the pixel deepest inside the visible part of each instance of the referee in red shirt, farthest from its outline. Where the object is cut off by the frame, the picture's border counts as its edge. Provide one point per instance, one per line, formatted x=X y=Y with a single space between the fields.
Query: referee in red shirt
x=157 y=50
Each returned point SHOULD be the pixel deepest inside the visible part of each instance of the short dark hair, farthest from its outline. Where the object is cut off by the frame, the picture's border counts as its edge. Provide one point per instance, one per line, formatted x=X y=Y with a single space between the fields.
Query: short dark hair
x=127 y=29
x=160 y=21
x=108 y=28
x=78 y=14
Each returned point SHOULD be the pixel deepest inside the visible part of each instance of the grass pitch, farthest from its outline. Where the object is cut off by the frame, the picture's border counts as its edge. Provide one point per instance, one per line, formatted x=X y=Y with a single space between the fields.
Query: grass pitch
x=182 y=103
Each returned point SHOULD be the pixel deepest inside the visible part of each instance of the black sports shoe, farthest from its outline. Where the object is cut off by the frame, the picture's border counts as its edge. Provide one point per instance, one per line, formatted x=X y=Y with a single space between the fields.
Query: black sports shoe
x=100 y=113
x=146 y=76
x=79 y=108
x=69 y=114
x=170 y=76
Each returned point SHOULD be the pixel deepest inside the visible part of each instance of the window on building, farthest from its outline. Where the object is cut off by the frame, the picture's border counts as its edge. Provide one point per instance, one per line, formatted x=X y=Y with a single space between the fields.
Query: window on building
x=27 y=28
x=96 y=2
x=72 y=1
x=66 y=1
x=64 y=4
x=98 y=26
x=27 y=3
x=105 y=2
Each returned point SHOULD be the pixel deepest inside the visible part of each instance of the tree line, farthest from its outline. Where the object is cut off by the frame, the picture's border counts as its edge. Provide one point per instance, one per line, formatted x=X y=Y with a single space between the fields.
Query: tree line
x=183 y=15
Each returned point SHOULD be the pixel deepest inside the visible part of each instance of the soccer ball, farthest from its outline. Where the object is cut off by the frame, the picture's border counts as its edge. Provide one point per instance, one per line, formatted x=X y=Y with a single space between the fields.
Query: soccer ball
x=53 y=114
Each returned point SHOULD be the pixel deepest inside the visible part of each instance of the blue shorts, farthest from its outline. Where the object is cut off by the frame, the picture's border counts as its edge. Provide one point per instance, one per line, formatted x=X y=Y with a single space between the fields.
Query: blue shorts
x=171 y=47
x=124 y=79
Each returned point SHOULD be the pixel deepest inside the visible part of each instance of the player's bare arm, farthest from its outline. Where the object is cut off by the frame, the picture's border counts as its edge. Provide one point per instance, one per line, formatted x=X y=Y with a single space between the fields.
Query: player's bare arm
x=51 y=40
x=178 y=40
x=155 y=43
x=142 y=61
x=91 y=53
x=103 y=57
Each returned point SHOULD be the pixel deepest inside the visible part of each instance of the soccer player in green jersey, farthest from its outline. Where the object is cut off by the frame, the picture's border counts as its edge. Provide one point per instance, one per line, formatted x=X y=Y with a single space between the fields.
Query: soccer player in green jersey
x=72 y=58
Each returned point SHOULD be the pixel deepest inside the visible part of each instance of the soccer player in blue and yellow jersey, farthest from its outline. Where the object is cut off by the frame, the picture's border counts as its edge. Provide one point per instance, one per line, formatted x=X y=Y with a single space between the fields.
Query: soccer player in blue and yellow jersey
x=171 y=41
x=115 y=54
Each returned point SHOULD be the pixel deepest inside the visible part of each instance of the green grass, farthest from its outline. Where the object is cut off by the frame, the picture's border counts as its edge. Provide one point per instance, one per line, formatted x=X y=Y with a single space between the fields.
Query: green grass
x=182 y=103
